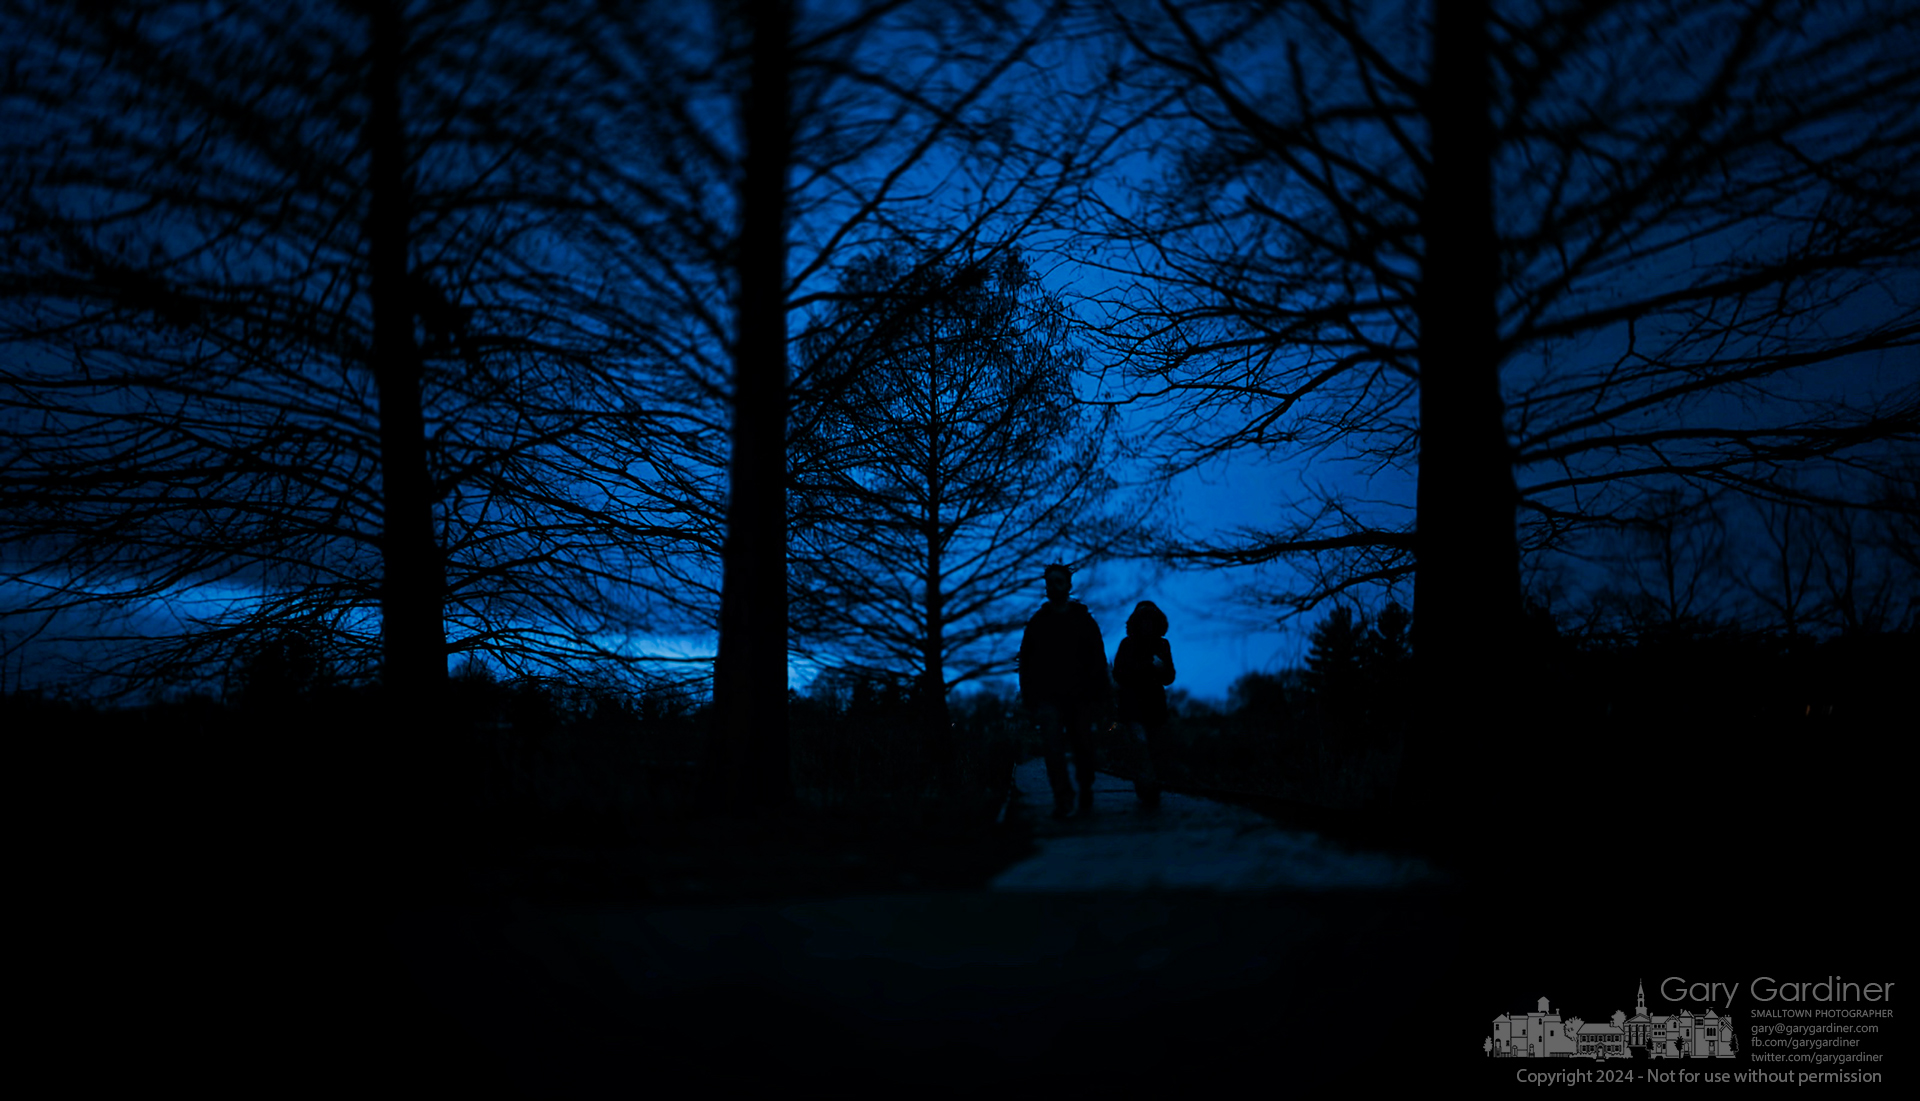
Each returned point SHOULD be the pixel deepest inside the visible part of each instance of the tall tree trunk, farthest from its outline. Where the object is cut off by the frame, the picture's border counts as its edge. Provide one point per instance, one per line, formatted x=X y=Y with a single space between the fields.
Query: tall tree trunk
x=747 y=767
x=1467 y=579
x=936 y=718
x=413 y=582
x=936 y=721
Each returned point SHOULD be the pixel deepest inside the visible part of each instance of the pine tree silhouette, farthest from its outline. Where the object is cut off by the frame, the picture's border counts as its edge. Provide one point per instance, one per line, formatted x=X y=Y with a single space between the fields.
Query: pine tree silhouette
x=1336 y=673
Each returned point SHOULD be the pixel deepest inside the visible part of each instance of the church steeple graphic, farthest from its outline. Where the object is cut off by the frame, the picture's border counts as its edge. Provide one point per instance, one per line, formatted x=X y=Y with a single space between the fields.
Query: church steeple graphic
x=1640 y=1000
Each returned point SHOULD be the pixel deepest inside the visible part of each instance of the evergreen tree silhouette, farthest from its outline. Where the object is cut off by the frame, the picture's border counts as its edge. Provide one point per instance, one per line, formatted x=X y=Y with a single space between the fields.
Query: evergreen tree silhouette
x=1387 y=658
x=1335 y=673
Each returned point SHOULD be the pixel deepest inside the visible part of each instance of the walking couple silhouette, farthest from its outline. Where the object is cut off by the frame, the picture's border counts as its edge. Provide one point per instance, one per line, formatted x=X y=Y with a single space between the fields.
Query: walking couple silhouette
x=1065 y=685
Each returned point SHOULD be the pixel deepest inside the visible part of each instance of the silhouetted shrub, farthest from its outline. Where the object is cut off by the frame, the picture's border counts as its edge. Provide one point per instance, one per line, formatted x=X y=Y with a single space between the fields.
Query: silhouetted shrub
x=1272 y=739
x=860 y=748
x=282 y=671
x=548 y=762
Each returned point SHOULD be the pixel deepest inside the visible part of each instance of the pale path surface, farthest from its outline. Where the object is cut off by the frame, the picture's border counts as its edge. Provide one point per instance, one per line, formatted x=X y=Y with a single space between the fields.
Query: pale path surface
x=1185 y=844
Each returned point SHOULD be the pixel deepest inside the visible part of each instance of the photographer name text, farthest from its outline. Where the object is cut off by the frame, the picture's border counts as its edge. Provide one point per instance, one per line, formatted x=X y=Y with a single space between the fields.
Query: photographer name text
x=1768 y=989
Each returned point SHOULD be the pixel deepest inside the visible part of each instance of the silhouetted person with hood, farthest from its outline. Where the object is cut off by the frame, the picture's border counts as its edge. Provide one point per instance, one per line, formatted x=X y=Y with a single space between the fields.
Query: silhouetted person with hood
x=1142 y=669
x=1063 y=683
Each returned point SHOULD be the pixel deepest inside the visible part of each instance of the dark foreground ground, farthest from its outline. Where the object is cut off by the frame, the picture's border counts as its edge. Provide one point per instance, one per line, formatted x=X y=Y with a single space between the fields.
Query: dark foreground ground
x=1220 y=945
x=1365 y=968
x=1200 y=944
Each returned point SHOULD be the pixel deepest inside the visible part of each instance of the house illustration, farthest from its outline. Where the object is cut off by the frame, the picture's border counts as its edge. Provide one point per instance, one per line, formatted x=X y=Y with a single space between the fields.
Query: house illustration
x=1537 y=1035
x=1602 y=1041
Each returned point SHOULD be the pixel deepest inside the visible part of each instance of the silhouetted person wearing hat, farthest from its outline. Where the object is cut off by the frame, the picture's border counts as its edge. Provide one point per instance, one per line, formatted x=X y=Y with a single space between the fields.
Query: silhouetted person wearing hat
x=1063 y=683
x=1142 y=669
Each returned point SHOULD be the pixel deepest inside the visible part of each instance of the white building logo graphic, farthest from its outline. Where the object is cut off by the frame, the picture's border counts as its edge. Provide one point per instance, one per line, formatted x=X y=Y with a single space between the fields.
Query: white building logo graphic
x=1544 y=1034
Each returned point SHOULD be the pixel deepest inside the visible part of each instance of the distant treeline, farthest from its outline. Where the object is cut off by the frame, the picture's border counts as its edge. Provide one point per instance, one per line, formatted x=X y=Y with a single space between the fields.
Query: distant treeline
x=1613 y=729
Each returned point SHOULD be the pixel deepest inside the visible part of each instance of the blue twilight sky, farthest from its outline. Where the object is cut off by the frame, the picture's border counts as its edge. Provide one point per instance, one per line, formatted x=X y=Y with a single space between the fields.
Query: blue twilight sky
x=1220 y=629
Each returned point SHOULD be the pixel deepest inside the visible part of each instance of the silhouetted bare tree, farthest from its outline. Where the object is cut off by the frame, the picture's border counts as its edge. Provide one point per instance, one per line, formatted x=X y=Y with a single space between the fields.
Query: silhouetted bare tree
x=1810 y=569
x=1676 y=564
x=1536 y=256
x=291 y=339
x=770 y=144
x=951 y=464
